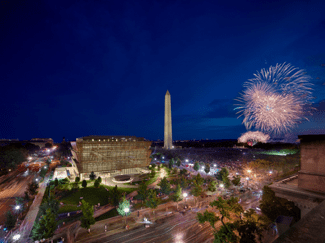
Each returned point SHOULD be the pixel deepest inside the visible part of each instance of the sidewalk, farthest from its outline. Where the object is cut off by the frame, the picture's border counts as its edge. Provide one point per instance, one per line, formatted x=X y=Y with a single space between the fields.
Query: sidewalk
x=27 y=225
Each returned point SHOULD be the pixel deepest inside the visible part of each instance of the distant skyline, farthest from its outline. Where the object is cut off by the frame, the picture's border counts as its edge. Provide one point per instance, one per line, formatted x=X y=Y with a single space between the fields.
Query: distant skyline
x=72 y=69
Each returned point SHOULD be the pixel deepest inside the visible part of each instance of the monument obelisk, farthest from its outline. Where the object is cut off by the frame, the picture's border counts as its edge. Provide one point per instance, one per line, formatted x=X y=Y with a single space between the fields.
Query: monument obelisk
x=168 y=141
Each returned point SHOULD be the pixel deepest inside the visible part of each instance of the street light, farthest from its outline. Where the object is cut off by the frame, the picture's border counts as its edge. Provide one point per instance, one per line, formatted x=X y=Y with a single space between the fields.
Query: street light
x=186 y=160
x=17 y=207
x=221 y=185
x=215 y=165
x=16 y=237
x=126 y=210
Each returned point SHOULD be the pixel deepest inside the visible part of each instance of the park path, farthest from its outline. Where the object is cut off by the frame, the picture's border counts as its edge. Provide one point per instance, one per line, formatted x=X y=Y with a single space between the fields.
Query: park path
x=27 y=225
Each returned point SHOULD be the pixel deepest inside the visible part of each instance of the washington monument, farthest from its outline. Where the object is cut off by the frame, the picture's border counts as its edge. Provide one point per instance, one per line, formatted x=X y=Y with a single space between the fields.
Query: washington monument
x=168 y=141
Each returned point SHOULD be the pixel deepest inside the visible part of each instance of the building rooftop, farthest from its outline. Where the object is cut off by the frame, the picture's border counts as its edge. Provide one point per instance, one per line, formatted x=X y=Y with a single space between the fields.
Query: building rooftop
x=103 y=138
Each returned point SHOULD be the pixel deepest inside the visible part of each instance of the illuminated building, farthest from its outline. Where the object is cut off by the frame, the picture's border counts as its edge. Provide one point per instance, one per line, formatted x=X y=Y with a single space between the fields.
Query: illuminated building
x=111 y=155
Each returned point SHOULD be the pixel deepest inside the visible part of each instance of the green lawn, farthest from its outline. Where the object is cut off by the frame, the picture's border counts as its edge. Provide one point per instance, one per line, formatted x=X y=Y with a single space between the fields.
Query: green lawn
x=109 y=214
x=68 y=208
x=153 y=179
x=92 y=195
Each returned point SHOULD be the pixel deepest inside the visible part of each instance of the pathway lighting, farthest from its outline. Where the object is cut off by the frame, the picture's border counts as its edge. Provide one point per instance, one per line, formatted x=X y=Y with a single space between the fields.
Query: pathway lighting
x=16 y=237
x=126 y=210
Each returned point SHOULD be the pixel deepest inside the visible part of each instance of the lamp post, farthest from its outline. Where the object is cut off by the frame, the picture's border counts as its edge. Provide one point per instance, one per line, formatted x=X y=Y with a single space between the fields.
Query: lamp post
x=16 y=237
x=185 y=196
x=247 y=178
x=126 y=210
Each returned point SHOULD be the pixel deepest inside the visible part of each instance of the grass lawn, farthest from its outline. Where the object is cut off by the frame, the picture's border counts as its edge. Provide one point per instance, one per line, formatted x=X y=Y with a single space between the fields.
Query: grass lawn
x=109 y=214
x=68 y=208
x=92 y=195
x=153 y=179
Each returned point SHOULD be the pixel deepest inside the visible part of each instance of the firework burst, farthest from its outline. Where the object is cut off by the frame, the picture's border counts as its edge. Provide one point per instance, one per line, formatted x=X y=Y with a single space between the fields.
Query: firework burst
x=253 y=137
x=276 y=99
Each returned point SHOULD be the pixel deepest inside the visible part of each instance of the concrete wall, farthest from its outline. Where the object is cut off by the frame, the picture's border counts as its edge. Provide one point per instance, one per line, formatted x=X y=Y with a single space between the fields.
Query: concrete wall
x=312 y=174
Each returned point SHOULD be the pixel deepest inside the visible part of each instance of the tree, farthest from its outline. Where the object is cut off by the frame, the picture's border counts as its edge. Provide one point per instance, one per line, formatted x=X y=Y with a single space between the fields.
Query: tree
x=164 y=186
x=198 y=179
x=272 y=206
x=236 y=180
x=183 y=172
x=87 y=218
x=77 y=179
x=152 y=173
x=226 y=232
x=158 y=167
x=153 y=166
x=178 y=162
x=56 y=182
x=96 y=183
x=26 y=197
x=212 y=186
x=175 y=170
x=99 y=179
x=222 y=173
x=196 y=166
x=247 y=228
x=207 y=168
x=196 y=190
x=142 y=191
x=84 y=184
x=32 y=188
x=184 y=182
x=171 y=163
x=43 y=172
x=115 y=196
x=45 y=227
x=92 y=176
x=48 y=145
x=178 y=194
x=223 y=176
x=10 y=220
x=152 y=200
x=50 y=203
x=48 y=161
x=122 y=206
x=11 y=156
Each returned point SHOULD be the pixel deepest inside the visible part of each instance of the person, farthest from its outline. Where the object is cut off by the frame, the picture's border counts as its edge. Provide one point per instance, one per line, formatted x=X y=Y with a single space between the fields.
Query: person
x=105 y=227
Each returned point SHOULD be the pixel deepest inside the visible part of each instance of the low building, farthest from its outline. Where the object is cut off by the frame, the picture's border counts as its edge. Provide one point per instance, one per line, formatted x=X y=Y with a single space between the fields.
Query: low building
x=111 y=155
x=41 y=141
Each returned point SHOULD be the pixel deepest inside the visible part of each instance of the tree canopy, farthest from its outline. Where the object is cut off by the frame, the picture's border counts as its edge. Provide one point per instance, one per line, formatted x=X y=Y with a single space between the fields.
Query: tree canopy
x=164 y=186
x=45 y=227
x=87 y=218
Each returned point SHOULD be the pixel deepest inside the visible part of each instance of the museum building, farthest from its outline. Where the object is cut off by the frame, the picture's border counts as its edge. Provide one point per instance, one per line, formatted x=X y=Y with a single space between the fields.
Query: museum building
x=109 y=156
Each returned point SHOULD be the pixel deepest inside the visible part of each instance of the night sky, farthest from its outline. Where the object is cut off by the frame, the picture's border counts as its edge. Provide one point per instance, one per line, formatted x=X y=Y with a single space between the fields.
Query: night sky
x=77 y=68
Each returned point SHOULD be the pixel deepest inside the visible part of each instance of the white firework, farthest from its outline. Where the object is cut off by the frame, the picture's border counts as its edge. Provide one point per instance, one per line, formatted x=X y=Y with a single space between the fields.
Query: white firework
x=253 y=136
x=276 y=99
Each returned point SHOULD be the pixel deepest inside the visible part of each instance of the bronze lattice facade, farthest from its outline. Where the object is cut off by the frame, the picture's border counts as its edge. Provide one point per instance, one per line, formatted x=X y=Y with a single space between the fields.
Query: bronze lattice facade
x=110 y=154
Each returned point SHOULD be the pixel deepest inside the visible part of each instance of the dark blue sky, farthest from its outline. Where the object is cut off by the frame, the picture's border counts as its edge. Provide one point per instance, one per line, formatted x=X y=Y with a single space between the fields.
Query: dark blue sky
x=77 y=68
